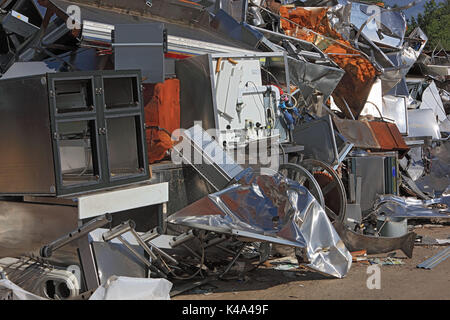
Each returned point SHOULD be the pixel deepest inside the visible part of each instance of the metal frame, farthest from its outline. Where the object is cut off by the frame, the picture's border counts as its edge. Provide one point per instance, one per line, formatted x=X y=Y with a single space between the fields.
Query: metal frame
x=201 y=69
x=29 y=117
x=100 y=116
x=242 y=235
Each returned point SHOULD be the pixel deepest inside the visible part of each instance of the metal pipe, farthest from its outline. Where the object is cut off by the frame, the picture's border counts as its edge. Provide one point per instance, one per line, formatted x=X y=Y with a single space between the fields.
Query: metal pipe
x=310 y=54
x=215 y=241
x=182 y=238
x=348 y=109
x=118 y=230
x=191 y=251
x=233 y=261
x=47 y=251
x=144 y=245
x=225 y=249
x=152 y=234
x=140 y=257
x=163 y=254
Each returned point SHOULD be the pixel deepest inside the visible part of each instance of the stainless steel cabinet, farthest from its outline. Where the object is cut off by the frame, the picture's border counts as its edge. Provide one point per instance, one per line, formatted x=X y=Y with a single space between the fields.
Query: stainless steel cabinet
x=67 y=133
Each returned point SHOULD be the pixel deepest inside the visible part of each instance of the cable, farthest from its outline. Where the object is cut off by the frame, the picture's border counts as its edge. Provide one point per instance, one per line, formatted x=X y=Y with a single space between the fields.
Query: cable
x=271 y=74
x=376 y=107
x=262 y=102
x=55 y=58
x=295 y=104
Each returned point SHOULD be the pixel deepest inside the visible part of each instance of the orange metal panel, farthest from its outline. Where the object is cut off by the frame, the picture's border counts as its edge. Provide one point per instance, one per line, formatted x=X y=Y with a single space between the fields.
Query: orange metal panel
x=162 y=116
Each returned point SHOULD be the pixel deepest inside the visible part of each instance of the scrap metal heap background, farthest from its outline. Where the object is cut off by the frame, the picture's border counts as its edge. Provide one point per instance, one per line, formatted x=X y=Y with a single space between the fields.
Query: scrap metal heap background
x=359 y=111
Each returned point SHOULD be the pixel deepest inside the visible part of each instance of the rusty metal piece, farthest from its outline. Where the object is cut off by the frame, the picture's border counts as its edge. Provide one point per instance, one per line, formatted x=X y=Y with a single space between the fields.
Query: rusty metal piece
x=219 y=62
x=273 y=6
x=388 y=137
x=355 y=241
x=372 y=135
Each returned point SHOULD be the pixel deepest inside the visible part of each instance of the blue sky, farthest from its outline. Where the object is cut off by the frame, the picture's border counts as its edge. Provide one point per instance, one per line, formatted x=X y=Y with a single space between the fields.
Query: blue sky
x=414 y=11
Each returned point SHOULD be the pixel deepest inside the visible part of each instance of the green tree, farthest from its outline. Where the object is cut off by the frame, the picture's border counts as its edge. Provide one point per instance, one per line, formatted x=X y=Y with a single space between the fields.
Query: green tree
x=435 y=22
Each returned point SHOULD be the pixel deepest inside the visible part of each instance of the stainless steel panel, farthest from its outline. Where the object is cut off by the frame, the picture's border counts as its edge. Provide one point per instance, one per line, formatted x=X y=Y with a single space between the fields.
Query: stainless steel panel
x=422 y=123
x=196 y=94
x=357 y=132
x=141 y=47
x=26 y=161
x=208 y=158
x=371 y=170
x=317 y=138
x=122 y=147
x=37 y=225
x=115 y=259
x=395 y=108
x=311 y=76
x=16 y=25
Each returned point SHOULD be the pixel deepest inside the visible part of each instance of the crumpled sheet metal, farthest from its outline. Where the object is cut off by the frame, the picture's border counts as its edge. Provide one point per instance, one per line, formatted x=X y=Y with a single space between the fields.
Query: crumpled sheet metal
x=411 y=50
x=241 y=32
x=412 y=208
x=276 y=208
x=18 y=292
x=360 y=73
x=311 y=76
x=431 y=99
x=128 y=288
x=388 y=28
x=372 y=135
x=438 y=179
x=381 y=28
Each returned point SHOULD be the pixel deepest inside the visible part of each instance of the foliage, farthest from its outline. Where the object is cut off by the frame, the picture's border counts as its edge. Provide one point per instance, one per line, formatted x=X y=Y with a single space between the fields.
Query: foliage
x=435 y=22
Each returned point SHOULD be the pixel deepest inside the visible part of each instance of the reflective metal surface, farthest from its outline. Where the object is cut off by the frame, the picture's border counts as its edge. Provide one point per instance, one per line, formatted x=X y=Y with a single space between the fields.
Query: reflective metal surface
x=412 y=208
x=277 y=209
x=395 y=108
x=388 y=28
x=422 y=123
x=317 y=137
x=26 y=164
x=27 y=220
x=356 y=242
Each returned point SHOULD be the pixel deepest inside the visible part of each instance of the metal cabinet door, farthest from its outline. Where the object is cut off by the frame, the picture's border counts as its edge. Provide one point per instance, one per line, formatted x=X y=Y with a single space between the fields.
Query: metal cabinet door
x=76 y=134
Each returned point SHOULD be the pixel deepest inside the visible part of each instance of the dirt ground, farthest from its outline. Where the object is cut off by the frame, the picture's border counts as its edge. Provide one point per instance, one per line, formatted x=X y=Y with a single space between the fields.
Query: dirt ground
x=397 y=281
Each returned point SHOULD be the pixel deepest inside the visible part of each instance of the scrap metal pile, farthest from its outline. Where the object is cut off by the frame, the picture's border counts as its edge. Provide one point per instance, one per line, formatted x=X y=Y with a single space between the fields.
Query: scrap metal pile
x=354 y=115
